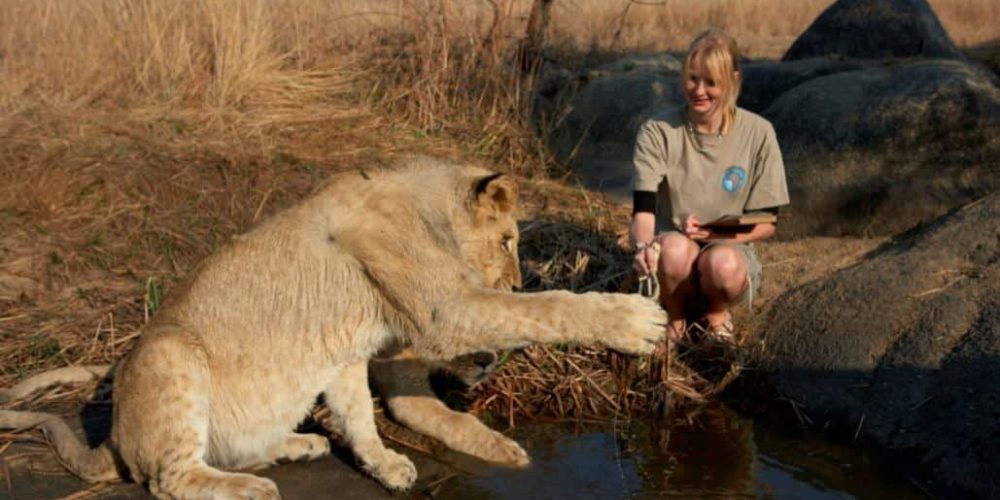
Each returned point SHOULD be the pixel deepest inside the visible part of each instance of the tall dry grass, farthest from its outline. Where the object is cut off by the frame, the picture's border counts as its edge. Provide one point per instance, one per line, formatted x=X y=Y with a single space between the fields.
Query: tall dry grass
x=197 y=64
x=246 y=70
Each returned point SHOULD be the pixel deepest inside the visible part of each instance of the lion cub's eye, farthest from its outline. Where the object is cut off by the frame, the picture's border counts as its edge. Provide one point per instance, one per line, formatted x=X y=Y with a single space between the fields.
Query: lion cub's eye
x=508 y=243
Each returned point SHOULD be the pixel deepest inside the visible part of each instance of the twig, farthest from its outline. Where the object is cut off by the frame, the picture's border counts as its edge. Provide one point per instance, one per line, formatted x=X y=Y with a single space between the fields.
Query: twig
x=594 y=385
x=407 y=444
x=86 y=493
x=858 y=431
x=6 y=475
x=918 y=405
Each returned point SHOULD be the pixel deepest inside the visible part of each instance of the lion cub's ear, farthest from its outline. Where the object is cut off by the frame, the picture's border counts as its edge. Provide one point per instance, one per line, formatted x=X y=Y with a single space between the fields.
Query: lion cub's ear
x=495 y=194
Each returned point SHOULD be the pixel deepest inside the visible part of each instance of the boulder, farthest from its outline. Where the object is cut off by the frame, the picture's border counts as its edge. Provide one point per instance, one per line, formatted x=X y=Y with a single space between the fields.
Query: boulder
x=610 y=103
x=889 y=105
x=596 y=131
x=871 y=147
x=879 y=150
x=613 y=107
x=902 y=350
x=656 y=62
x=874 y=29
x=763 y=82
x=987 y=54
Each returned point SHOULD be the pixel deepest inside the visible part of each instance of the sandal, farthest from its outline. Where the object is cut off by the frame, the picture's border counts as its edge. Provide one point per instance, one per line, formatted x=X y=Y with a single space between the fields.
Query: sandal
x=723 y=333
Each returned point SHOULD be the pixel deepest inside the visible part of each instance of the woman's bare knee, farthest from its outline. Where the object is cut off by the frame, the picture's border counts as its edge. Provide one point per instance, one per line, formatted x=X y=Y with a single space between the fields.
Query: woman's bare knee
x=722 y=269
x=677 y=256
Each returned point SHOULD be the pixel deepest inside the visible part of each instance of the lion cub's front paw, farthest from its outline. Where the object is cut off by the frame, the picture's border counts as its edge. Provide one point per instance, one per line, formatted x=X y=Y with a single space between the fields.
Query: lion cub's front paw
x=639 y=324
x=395 y=471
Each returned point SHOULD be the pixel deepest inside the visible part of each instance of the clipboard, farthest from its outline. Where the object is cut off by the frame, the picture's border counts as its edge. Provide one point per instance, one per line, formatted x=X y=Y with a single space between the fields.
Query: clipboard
x=747 y=219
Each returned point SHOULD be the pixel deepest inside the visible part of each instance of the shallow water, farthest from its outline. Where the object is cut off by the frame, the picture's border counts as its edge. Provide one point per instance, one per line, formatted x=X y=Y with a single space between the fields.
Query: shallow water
x=716 y=454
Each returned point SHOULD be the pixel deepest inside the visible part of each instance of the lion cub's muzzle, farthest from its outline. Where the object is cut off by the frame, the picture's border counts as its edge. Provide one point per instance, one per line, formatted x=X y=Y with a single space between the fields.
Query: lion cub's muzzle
x=473 y=368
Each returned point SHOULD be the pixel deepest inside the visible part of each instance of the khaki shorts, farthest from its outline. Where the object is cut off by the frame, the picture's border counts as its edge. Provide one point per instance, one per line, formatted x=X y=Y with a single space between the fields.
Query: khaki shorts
x=750 y=259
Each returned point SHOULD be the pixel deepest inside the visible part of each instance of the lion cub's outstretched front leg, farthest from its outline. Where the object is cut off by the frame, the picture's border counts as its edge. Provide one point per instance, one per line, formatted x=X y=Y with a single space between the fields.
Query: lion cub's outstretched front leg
x=488 y=320
x=402 y=381
x=352 y=416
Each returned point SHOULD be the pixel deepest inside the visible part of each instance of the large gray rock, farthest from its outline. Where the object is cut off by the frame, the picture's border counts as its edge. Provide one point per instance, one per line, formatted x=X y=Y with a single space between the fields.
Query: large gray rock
x=878 y=150
x=903 y=350
x=596 y=131
x=653 y=62
x=610 y=107
x=895 y=105
x=874 y=29
x=763 y=82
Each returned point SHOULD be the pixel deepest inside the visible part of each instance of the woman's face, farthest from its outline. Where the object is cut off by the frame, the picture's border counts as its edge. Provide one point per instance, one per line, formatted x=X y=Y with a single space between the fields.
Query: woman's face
x=702 y=91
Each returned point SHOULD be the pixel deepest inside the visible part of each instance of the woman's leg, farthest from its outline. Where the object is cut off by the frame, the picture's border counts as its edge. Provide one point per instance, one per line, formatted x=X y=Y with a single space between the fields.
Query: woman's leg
x=677 y=258
x=722 y=271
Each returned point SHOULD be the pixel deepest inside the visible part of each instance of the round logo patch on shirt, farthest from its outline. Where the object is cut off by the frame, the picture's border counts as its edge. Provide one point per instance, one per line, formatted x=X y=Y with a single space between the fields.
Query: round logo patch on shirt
x=733 y=179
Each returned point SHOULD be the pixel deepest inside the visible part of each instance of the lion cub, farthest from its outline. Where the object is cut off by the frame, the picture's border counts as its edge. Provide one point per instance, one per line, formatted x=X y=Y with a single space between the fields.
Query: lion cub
x=406 y=258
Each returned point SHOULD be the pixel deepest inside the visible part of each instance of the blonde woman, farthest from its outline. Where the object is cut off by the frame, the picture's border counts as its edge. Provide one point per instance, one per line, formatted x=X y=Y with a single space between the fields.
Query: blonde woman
x=694 y=164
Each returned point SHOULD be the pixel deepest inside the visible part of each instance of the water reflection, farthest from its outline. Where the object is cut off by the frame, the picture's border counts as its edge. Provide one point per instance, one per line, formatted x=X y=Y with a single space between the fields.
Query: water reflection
x=712 y=454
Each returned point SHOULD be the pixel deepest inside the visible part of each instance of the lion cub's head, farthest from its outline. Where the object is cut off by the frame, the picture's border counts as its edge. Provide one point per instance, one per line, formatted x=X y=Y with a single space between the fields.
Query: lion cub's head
x=489 y=240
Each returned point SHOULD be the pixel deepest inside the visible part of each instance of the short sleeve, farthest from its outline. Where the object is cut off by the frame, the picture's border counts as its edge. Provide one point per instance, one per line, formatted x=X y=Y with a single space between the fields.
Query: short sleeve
x=770 y=188
x=649 y=158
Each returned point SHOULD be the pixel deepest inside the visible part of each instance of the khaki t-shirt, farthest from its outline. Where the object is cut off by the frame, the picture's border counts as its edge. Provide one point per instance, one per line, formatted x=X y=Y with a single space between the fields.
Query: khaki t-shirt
x=708 y=175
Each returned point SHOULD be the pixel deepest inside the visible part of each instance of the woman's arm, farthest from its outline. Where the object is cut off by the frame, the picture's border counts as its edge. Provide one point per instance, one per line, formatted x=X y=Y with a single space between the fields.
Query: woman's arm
x=642 y=228
x=641 y=234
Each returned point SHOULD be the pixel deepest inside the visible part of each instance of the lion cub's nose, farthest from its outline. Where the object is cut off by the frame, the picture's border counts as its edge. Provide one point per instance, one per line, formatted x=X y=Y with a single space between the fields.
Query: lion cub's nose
x=484 y=359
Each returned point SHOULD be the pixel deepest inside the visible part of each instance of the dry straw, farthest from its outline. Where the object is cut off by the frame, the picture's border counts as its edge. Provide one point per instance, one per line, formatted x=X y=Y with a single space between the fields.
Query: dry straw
x=586 y=383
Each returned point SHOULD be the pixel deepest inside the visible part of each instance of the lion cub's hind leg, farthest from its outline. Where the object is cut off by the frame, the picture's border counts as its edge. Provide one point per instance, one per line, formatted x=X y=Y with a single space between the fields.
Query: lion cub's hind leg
x=162 y=423
x=353 y=417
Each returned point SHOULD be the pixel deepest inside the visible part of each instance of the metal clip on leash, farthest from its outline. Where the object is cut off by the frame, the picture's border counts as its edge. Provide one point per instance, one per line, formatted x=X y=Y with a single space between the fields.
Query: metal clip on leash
x=649 y=285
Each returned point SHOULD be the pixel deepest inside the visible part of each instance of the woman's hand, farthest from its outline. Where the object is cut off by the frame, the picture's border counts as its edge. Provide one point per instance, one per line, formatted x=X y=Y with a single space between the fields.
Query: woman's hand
x=694 y=230
x=644 y=261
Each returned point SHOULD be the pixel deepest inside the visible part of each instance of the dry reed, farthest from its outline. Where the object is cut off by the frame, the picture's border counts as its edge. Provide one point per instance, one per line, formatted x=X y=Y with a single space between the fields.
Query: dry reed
x=587 y=383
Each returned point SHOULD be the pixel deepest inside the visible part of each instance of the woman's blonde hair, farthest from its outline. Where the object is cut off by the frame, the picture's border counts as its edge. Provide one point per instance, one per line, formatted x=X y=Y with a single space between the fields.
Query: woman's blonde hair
x=721 y=57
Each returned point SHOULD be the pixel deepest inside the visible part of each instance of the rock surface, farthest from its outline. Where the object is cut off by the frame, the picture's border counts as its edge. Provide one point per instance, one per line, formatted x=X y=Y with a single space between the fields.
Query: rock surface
x=596 y=130
x=903 y=349
x=765 y=81
x=873 y=29
x=878 y=150
x=897 y=105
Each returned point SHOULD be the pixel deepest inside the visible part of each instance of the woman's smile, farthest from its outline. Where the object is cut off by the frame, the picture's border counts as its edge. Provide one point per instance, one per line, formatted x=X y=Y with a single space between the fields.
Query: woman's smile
x=702 y=91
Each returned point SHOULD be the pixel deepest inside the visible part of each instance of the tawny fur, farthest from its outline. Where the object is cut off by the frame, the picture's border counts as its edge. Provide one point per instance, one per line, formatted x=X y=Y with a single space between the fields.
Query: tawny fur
x=407 y=258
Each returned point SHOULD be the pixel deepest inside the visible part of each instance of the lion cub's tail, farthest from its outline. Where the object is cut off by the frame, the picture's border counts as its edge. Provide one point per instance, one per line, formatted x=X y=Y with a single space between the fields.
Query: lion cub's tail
x=59 y=376
x=91 y=465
